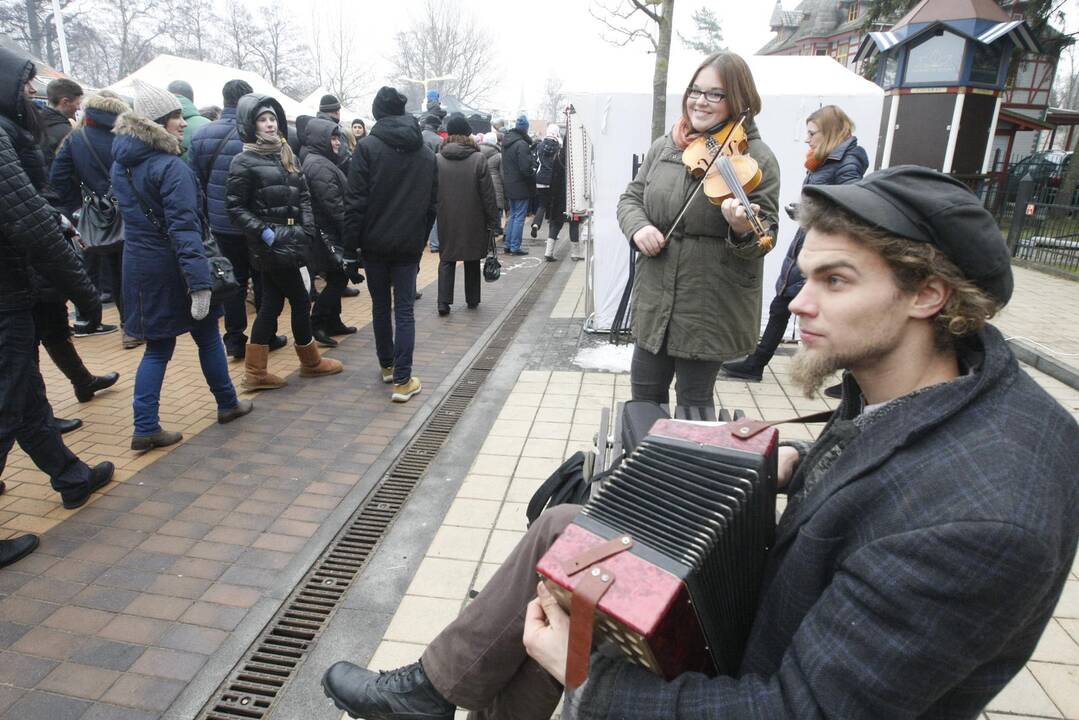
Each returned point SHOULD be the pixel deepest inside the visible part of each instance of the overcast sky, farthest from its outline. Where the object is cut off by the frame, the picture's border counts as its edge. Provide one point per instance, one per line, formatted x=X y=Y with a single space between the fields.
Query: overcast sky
x=534 y=41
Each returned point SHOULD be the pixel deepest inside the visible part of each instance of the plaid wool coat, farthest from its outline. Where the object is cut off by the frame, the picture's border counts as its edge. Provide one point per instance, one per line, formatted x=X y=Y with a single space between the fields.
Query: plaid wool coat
x=916 y=577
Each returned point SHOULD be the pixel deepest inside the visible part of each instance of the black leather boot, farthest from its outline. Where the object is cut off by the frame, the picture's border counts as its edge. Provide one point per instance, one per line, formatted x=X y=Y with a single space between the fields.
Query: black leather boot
x=66 y=426
x=277 y=342
x=336 y=327
x=100 y=475
x=323 y=338
x=17 y=548
x=747 y=368
x=85 y=383
x=395 y=695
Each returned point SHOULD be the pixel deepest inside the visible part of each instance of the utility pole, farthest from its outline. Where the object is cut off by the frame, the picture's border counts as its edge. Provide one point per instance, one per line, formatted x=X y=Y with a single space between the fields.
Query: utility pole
x=61 y=38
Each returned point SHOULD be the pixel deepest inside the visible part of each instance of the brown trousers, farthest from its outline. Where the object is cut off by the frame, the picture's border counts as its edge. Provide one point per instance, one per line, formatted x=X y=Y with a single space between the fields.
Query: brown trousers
x=479 y=662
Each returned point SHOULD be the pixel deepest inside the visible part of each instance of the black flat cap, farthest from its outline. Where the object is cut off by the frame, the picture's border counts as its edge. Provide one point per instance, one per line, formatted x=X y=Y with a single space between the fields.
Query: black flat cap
x=924 y=205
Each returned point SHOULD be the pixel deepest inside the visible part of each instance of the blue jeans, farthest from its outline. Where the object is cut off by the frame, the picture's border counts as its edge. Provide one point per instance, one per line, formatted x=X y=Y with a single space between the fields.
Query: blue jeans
x=395 y=338
x=433 y=237
x=25 y=414
x=151 y=374
x=516 y=226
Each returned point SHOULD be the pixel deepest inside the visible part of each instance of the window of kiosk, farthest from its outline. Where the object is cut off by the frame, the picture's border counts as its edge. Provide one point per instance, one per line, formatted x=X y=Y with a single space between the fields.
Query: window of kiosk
x=985 y=65
x=936 y=60
x=888 y=71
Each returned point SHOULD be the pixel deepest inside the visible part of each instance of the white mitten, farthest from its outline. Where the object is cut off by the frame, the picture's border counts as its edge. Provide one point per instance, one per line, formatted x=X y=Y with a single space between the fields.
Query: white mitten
x=200 y=304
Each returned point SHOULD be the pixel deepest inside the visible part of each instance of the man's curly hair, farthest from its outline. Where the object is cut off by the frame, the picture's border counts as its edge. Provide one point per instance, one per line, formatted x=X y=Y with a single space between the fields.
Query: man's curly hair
x=968 y=307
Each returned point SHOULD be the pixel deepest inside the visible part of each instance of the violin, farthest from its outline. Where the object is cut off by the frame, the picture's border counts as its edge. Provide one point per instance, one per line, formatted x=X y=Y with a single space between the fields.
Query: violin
x=724 y=169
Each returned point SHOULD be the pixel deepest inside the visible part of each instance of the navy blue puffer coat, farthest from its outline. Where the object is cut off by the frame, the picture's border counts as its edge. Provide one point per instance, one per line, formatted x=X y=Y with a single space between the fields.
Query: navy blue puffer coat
x=203 y=146
x=159 y=271
x=843 y=166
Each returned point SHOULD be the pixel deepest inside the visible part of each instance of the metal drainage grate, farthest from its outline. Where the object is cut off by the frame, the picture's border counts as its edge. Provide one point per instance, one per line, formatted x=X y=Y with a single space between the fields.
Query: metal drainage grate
x=259 y=678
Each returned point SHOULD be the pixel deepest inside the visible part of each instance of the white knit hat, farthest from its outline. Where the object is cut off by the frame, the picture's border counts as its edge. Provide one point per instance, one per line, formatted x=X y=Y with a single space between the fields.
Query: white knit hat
x=153 y=102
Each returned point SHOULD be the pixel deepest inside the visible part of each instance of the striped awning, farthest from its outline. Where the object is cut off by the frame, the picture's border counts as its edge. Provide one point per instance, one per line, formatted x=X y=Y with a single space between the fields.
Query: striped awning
x=1018 y=31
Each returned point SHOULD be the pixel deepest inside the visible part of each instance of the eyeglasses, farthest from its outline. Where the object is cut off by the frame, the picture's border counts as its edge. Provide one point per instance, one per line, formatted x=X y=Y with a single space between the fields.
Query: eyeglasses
x=712 y=96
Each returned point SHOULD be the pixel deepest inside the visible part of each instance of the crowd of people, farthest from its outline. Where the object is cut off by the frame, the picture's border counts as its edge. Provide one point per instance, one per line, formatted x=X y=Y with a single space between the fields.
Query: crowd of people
x=928 y=532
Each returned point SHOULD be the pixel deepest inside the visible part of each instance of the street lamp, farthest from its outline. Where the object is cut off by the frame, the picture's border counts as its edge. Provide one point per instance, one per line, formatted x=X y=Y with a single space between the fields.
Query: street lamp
x=427 y=81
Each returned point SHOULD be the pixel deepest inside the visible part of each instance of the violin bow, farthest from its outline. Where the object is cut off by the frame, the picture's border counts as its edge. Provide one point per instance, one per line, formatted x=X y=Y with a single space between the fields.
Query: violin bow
x=700 y=183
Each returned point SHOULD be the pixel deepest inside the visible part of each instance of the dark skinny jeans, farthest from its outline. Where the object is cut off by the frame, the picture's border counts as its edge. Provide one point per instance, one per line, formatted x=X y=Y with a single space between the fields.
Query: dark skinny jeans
x=650 y=377
x=277 y=285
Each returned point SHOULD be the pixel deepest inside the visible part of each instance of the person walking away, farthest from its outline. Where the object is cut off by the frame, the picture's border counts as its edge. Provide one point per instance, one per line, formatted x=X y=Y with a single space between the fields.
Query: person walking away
x=519 y=182
x=327 y=185
x=268 y=198
x=467 y=213
x=166 y=274
x=30 y=237
x=194 y=119
x=83 y=162
x=211 y=152
x=556 y=211
x=834 y=158
x=697 y=290
x=493 y=155
x=390 y=207
x=433 y=141
x=64 y=100
x=547 y=158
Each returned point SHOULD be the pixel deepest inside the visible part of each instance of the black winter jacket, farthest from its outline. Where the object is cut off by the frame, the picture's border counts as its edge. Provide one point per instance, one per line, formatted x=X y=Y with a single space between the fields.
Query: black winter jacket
x=392 y=192
x=261 y=193
x=30 y=239
x=547 y=155
x=327 y=184
x=518 y=174
x=56 y=128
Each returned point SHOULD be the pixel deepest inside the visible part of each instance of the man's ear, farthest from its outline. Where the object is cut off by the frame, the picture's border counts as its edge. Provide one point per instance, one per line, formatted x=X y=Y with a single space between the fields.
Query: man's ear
x=930 y=299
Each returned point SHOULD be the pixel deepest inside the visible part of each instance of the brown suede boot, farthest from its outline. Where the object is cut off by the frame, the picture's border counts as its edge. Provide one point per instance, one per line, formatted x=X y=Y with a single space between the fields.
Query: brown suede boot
x=312 y=364
x=256 y=376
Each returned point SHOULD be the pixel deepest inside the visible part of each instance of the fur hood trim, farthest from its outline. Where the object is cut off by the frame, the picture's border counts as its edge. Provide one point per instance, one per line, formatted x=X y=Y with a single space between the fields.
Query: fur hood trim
x=116 y=106
x=143 y=128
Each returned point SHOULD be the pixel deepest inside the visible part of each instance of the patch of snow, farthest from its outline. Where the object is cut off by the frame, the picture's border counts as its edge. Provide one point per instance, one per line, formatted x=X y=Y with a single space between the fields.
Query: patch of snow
x=606 y=357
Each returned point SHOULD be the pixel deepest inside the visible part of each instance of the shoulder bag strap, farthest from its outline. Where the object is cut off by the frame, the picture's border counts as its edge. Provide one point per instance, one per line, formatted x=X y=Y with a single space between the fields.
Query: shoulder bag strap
x=216 y=154
x=146 y=210
x=97 y=158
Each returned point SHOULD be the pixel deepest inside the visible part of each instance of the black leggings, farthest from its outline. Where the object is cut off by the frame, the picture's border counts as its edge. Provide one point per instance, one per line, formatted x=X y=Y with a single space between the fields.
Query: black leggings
x=278 y=284
x=650 y=378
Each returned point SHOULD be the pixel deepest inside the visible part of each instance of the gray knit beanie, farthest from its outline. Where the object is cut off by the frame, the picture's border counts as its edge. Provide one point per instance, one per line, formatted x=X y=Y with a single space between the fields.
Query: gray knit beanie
x=153 y=102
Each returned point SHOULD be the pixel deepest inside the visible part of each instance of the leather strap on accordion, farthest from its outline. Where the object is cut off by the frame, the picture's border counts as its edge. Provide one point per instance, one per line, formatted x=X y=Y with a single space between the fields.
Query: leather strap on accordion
x=745 y=429
x=586 y=595
x=598 y=553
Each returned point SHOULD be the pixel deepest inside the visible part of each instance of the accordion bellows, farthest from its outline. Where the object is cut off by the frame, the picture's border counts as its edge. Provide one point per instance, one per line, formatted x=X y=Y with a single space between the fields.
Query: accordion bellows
x=699 y=505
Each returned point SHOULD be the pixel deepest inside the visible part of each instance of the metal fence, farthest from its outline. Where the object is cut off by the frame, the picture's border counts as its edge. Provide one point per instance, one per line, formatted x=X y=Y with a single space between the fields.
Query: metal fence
x=1039 y=227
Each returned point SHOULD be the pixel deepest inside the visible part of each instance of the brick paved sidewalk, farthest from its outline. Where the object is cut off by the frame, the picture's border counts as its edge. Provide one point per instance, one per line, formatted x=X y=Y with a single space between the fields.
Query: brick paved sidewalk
x=163 y=581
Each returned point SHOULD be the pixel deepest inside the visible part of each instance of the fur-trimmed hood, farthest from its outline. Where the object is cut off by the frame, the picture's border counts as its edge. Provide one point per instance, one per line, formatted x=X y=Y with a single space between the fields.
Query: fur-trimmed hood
x=138 y=137
x=102 y=111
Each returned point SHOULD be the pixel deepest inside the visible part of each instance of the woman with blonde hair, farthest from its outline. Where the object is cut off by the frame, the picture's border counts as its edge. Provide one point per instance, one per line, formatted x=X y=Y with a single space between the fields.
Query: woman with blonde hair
x=834 y=158
x=697 y=287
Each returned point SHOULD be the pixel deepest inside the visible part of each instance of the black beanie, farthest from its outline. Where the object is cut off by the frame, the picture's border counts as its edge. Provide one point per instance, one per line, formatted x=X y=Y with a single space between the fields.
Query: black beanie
x=388 y=102
x=328 y=104
x=458 y=125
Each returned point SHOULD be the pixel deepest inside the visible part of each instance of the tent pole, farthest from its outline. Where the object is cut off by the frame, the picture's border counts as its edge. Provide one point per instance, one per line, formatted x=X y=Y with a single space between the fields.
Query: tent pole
x=61 y=38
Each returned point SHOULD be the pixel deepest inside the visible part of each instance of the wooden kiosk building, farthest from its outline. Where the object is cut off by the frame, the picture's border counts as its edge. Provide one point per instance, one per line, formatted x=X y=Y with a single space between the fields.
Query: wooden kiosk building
x=943 y=67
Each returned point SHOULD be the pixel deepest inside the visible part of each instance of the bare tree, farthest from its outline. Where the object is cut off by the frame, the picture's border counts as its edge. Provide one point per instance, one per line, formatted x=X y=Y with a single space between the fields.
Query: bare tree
x=629 y=20
x=199 y=33
x=338 y=64
x=31 y=24
x=241 y=35
x=553 y=102
x=280 y=56
x=709 y=36
x=446 y=40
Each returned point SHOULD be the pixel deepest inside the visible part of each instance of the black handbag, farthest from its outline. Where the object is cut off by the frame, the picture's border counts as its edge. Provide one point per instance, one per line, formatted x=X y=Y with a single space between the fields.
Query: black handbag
x=492 y=269
x=222 y=275
x=100 y=223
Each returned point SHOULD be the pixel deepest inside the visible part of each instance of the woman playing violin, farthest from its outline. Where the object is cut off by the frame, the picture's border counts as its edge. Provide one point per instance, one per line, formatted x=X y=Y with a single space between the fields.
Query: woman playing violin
x=697 y=290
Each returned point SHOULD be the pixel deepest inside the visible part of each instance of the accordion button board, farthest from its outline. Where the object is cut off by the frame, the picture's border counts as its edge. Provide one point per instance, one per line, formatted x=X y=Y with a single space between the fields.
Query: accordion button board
x=699 y=504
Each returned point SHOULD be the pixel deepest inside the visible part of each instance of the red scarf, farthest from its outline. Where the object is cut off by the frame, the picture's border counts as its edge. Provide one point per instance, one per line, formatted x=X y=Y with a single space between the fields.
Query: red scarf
x=683 y=134
x=812 y=163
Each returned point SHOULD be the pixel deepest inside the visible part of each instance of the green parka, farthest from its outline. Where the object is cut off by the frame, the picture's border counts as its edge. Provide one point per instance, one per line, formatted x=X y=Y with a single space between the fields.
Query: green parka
x=703 y=292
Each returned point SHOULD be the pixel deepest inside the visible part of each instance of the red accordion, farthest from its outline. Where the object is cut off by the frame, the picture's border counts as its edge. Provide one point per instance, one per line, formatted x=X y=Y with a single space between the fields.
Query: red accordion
x=665 y=562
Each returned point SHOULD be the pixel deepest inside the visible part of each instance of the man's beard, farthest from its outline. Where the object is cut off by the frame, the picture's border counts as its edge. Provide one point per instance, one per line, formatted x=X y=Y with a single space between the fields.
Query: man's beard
x=810 y=369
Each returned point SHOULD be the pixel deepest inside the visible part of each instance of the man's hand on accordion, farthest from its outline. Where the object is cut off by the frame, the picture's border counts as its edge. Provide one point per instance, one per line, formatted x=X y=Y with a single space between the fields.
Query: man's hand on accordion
x=786 y=460
x=546 y=635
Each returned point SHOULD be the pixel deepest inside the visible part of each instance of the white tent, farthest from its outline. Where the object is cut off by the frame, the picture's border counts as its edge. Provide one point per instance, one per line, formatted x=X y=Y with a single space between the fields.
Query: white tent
x=619 y=122
x=206 y=79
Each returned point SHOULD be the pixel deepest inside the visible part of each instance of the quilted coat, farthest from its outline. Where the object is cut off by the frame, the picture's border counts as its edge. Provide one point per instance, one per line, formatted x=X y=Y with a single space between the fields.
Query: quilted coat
x=702 y=294
x=327 y=185
x=915 y=578
x=159 y=271
x=75 y=165
x=467 y=211
x=203 y=146
x=261 y=193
